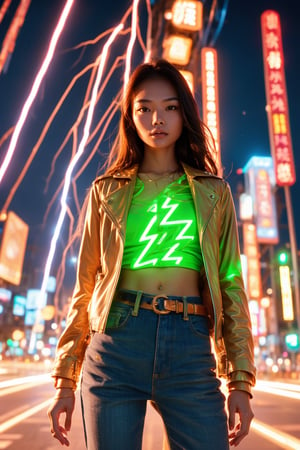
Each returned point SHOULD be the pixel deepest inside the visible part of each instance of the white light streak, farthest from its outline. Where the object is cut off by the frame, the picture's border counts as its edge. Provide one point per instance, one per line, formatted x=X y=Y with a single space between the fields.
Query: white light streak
x=36 y=84
x=131 y=42
x=78 y=154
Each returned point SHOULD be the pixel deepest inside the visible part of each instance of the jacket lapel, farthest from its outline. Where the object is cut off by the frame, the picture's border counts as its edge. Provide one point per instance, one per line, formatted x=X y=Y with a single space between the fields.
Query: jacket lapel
x=118 y=199
x=204 y=194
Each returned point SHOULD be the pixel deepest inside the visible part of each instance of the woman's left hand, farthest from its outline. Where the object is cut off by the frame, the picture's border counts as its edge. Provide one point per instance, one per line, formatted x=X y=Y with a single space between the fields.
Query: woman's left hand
x=239 y=403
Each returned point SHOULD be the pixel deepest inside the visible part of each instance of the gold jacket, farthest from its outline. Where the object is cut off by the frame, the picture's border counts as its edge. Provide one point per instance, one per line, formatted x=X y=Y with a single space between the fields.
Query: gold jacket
x=99 y=266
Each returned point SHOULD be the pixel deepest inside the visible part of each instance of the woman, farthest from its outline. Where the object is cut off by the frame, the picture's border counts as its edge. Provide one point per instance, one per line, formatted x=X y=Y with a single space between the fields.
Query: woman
x=158 y=273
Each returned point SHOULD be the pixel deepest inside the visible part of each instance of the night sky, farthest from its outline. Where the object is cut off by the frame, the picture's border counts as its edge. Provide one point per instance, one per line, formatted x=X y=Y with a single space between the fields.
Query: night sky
x=243 y=121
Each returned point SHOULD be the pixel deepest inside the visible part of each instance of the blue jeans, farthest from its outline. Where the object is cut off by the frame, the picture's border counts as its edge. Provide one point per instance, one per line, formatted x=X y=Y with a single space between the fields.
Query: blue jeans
x=161 y=358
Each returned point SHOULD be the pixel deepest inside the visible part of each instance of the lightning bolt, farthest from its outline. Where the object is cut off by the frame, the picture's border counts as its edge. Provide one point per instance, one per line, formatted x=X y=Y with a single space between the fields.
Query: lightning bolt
x=165 y=222
x=35 y=87
x=151 y=238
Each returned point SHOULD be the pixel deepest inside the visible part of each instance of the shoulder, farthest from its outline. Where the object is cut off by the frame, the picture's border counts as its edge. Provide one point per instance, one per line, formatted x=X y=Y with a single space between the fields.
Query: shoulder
x=206 y=178
x=122 y=174
x=110 y=182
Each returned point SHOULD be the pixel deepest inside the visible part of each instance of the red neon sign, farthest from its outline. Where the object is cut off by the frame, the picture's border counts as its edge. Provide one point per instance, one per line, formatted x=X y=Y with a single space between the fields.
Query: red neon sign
x=254 y=285
x=277 y=103
x=210 y=97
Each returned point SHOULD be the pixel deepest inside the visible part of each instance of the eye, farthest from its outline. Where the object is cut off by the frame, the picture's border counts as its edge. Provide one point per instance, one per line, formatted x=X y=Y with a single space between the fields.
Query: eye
x=172 y=107
x=143 y=109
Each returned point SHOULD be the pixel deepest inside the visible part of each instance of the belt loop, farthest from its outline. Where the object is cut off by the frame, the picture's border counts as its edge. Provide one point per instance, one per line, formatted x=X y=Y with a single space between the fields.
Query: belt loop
x=137 y=302
x=185 y=308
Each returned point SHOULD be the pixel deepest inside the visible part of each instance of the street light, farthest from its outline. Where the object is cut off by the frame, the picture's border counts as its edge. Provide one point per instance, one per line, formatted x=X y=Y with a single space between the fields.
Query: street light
x=283 y=257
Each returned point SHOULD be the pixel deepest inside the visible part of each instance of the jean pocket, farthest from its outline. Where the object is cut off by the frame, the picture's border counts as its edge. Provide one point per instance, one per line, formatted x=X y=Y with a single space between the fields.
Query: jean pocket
x=118 y=316
x=199 y=325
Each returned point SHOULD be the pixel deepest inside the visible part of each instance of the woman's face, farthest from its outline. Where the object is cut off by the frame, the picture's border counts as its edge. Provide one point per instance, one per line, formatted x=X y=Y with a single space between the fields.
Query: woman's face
x=156 y=114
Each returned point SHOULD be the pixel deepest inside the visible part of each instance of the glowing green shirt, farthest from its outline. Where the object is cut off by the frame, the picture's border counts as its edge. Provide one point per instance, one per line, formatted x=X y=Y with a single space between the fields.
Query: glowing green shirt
x=162 y=228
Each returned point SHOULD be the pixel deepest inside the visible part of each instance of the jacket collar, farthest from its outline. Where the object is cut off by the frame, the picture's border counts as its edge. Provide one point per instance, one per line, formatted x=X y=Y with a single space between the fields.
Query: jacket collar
x=194 y=173
x=202 y=186
x=131 y=172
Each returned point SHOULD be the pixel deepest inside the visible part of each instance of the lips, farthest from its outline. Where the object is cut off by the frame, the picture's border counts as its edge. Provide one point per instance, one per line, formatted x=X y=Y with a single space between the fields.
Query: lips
x=158 y=133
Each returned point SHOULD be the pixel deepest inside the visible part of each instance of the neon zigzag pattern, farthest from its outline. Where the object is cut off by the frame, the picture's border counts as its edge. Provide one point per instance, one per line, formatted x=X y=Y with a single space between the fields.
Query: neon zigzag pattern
x=153 y=238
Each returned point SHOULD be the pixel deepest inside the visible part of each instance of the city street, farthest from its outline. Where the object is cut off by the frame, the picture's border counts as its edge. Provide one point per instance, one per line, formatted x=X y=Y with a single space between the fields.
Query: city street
x=26 y=391
x=148 y=167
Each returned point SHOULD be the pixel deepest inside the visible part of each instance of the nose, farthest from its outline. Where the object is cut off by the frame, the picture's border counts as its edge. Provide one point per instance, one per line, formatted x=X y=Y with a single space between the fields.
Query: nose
x=157 y=118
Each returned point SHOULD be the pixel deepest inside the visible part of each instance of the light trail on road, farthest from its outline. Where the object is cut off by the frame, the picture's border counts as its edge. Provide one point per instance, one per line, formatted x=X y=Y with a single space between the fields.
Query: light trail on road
x=19 y=384
x=29 y=379
x=23 y=416
x=277 y=388
x=261 y=384
x=287 y=441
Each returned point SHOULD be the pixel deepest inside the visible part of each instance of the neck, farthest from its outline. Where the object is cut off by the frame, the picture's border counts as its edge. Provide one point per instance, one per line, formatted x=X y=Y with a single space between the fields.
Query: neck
x=159 y=163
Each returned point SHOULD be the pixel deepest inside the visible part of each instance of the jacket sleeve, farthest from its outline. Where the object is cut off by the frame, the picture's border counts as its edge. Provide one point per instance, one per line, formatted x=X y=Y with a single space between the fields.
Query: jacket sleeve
x=237 y=332
x=74 y=339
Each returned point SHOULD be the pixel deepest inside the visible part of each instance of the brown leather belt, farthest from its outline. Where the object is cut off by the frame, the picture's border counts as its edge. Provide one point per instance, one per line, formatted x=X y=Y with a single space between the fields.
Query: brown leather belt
x=162 y=304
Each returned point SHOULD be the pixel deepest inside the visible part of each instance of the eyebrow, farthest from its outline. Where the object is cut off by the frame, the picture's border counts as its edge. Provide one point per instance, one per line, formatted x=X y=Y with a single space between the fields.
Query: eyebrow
x=145 y=100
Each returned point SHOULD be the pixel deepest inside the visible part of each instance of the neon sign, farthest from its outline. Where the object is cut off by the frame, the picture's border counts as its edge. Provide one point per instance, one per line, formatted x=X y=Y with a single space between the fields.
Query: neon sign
x=210 y=97
x=253 y=264
x=277 y=103
x=158 y=236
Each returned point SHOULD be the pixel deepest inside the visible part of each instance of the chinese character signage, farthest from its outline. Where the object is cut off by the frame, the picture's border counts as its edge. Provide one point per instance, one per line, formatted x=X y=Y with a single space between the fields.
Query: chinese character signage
x=259 y=185
x=177 y=49
x=254 y=287
x=210 y=97
x=187 y=15
x=286 y=293
x=277 y=103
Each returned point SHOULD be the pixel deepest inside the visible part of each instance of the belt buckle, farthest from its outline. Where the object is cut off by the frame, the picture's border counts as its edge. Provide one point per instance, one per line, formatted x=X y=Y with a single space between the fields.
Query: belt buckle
x=155 y=303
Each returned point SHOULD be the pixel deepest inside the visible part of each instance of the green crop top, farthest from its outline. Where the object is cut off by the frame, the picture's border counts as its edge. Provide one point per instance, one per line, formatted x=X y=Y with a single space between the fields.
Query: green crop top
x=162 y=228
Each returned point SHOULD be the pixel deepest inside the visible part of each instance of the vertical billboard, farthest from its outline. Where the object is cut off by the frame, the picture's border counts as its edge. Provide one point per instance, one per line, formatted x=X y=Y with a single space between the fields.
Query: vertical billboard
x=210 y=97
x=12 y=249
x=277 y=103
x=254 y=285
x=286 y=293
x=260 y=186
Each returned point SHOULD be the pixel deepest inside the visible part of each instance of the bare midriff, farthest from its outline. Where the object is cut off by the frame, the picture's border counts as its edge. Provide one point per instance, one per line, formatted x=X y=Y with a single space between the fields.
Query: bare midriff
x=167 y=280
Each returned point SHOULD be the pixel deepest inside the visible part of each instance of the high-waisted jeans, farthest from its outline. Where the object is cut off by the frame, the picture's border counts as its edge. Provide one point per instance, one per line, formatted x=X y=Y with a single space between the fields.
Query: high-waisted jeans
x=162 y=358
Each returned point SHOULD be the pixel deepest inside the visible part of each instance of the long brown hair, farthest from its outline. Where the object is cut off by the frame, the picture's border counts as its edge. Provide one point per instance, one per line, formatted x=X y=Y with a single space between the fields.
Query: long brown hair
x=195 y=145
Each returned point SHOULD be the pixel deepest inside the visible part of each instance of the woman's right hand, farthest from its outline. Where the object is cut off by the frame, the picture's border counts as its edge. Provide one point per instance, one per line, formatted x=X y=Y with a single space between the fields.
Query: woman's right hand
x=63 y=402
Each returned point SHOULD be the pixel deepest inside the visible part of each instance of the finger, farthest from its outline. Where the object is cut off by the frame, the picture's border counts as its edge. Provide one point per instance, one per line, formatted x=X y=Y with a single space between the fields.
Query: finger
x=61 y=436
x=241 y=431
x=50 y=420
x=68 y=420
x=245 y=420
x=57 y=431
x=231 y=420
x=236 y=438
